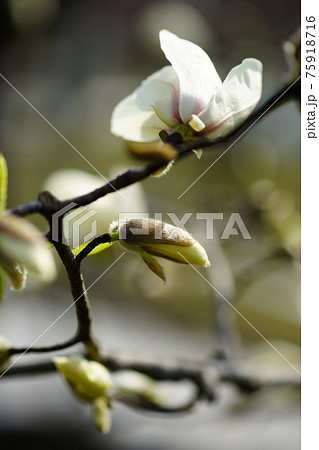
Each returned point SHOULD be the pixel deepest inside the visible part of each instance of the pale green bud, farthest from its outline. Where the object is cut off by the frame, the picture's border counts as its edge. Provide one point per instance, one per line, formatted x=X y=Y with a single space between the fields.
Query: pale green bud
x=133 y=381
x=137 y=387
x=88 y=379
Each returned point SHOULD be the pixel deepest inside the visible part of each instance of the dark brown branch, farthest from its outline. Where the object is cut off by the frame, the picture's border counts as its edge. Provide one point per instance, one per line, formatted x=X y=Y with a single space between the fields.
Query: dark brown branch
x=28 y=208
x=104 y=238
x=81 y=301
x=204 y=374
x=131 y=176
x=174 y=369
x=84 y=334
x=53 y=348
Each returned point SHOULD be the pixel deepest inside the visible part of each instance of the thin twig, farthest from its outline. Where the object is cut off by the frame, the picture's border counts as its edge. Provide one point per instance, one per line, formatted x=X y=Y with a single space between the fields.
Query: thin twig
x=45 y=349
x=104 y=238
x=203 y=373
x=81 y=300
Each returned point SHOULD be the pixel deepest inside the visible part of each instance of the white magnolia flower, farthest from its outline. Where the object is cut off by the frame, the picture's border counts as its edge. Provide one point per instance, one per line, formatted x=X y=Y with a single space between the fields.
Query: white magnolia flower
x=188 y=96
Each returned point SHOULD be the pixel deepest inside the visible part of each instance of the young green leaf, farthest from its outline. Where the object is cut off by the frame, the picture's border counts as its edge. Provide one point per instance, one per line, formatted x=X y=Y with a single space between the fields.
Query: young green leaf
x=99 y=248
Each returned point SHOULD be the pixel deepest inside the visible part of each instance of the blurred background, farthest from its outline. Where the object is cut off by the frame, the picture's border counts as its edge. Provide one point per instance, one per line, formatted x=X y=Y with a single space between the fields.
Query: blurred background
x=74 y=61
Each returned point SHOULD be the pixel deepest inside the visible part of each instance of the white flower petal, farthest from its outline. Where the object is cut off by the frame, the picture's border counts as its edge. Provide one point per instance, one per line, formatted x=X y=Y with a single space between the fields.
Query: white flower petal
x=197 y=75
x=161 y=89
x=131 y=123
x=134 y=118
x=235 y=100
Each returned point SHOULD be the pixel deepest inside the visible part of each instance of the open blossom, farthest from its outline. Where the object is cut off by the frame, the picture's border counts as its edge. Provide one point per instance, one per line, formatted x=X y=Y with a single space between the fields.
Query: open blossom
x=188 y=96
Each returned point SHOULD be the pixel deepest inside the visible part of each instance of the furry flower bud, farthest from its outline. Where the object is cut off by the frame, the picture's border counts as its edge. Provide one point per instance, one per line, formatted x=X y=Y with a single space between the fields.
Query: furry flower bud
x=151 y=238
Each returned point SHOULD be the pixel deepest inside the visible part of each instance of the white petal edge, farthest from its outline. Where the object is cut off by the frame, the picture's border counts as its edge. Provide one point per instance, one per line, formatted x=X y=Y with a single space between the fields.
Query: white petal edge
x=235 y=100
x=197 y=75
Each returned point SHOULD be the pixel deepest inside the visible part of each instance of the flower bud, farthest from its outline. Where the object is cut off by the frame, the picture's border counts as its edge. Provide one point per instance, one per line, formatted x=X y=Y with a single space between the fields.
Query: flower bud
x=88 y=379
x=22 y=247
x=151 y=237
x=131 y=382
x=140 y=390
x=16 y=273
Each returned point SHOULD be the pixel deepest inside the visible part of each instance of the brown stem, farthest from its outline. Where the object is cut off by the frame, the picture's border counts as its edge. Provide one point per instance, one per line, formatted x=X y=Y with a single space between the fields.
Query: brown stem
x=204 y=374
x=53 y=348
x=81 y=300
x=104 y=238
